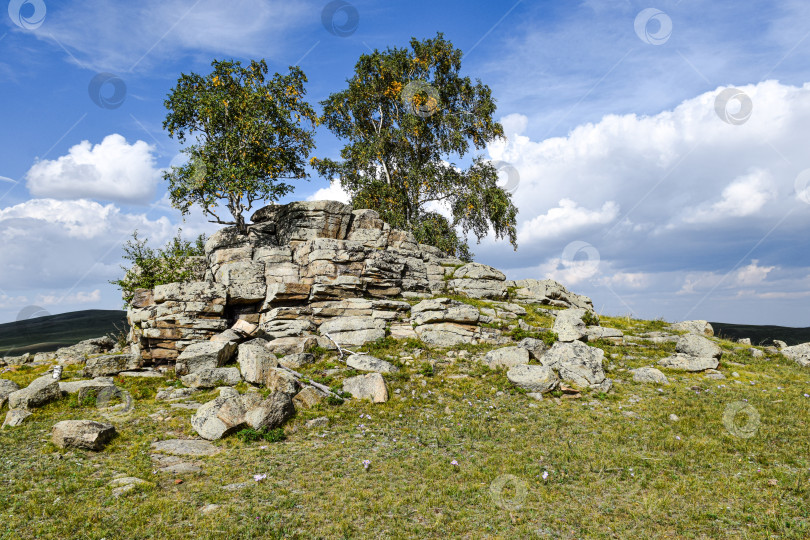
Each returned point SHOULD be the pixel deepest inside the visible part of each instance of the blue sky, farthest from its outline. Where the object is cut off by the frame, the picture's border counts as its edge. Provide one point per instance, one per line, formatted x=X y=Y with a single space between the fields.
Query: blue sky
x=641 y=182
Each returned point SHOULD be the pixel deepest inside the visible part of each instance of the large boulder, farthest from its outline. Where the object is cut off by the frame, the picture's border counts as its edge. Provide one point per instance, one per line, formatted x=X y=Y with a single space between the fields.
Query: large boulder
x=366 y=362
x=271 y=412
x=15 y=417
x=212 y=377
x=685 y=362
x=82 y=434
x=613 y=335
x=536 y=347
x=204 y=355
x=578 y=364
x=569 y=325
x=370 y=386
x=548 y=292
x=649 y=375
x=694 y=345
x=40 y=392
x=440 y=310
x=478 y=281
x=798 y=353
x=219 y=417
x=292 y=345
x=533 y=378
x=506 y=357
x=76 y=354
x=110 y=364
x=700 y=328
x=255 y=361
x=6 y=388
x=353 y=331
x=447 y=334
x=300 y=221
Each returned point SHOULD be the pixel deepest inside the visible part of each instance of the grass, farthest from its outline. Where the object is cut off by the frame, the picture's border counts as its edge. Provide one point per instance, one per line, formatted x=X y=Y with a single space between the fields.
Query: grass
x=615 y=466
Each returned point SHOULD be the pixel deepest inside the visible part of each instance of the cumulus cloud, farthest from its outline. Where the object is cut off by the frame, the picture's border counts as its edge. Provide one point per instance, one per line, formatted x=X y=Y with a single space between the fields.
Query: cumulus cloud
x=112 y=170
x=81 y=297
x=672 y=202
x=332 y=193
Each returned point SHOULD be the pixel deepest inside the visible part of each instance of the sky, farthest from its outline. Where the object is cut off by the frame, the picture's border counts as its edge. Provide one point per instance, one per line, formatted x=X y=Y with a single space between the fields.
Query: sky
x=657 y=153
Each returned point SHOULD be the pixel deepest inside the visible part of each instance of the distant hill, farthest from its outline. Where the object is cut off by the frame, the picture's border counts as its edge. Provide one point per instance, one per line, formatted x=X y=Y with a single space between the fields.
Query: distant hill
x=762 y=335
x=44 y=334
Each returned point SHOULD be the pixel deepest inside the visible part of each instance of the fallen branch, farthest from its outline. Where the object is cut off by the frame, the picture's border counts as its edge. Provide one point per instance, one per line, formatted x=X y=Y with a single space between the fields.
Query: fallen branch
x=323 y=388
x=339 y=348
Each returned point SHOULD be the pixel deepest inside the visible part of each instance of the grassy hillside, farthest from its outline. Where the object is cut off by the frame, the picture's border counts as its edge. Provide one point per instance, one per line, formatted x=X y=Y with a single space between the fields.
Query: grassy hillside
x=457 y=452
x=49 y=333
x=762 y=335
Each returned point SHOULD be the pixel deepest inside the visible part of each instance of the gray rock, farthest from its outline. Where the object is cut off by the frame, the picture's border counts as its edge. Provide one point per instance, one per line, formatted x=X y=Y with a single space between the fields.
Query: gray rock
x=649 y=375
x=366 y=362
x=683 y=362
x=82 y=434
x=6 y=388
x=536 y=347
x=780 y=344
x=255 y=361
x=73 y=387
x=212 y=377
x=297 y=361
x=370 y=386
x=756 y=353
x=171 y=394
x=40 y=392
x=569 y=326
x=109 y=364
x=578 y=364
x=798 y=353
x=281 y=380
x=353 y=331
x=321 y=421
x=549 y=292
x=122 y=486
x=204 y=355
x=744 y=341
x=613 y=335
x=185 y=447
x=700 y=328
x=439 y=310
x=15 y=417
x=445 y=334
x=308 y=397
x=292 y=345
x=536 y=379
x=694 y=345
x=219 y=417
x=506 y=357
x=270 y=413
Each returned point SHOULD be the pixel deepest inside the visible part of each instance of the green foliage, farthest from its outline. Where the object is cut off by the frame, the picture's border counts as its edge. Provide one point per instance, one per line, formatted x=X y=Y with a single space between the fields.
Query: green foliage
x=590 y=319
x=151 y=267
x=248 y=137
x=427 y=369
x=248 y=435
x=407 y=115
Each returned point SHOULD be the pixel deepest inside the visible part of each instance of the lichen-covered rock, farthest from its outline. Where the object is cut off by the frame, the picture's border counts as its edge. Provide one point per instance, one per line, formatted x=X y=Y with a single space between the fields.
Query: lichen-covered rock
x=353 y=331
x=255 y=361
x=204 y=355
x=271 y=412
x=212 y=378
x=40 y=392
x=685 y=362
x=308 y=397
x=82 y=434
x=700 y=328
x=548 y=292
x=6 y=388
x=569 y=325
x=506 y=357
x=649 y=375
x=798 y=353
x=15 y=417
x=219 y=417
x=578 y=364
x=110 y=364
x=694 y=345
x=446 y=334
x=370 y=386
x=366 y=362
x=533 y=378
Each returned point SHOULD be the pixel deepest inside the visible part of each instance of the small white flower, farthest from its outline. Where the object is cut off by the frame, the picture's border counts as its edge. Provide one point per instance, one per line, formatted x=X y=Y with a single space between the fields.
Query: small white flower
x=259 y=477
x=366 y=464
x=545 y=475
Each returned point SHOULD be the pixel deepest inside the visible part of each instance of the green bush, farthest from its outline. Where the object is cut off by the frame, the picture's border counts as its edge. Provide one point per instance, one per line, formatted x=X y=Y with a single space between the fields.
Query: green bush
x=151 y=267
x=247 y=435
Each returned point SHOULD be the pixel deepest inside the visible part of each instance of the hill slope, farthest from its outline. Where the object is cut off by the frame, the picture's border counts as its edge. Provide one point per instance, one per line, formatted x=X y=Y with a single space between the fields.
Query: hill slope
x=45 y=334
x=762 y=335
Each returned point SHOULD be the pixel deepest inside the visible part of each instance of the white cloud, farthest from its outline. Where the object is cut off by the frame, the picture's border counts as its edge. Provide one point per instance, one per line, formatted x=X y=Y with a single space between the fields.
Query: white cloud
x=7 y=179
x=117 y=36
x=332 y=193
x=565 y=219
x=112 y=170
x=744 y=196
x=90 y=297
x=753 y=274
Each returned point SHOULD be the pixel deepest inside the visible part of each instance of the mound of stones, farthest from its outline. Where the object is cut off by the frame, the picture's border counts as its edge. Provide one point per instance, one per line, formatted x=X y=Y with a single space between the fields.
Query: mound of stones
x=319 y=273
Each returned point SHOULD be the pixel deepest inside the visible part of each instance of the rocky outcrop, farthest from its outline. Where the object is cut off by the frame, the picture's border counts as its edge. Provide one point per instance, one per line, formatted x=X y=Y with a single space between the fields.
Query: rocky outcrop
x=40 y=392
x=798 y=353
x=700 y=328
x=82 y=434
x=320 y=273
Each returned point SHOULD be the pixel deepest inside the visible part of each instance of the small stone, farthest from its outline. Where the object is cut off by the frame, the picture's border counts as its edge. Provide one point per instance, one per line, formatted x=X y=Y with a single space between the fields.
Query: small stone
x=673 y=417
x=15 y=417
x=321 y=421
x=370 y=386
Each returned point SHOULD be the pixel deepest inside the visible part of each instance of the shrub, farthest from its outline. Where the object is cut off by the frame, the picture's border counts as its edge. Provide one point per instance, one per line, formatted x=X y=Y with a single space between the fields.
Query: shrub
x=151 y=267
